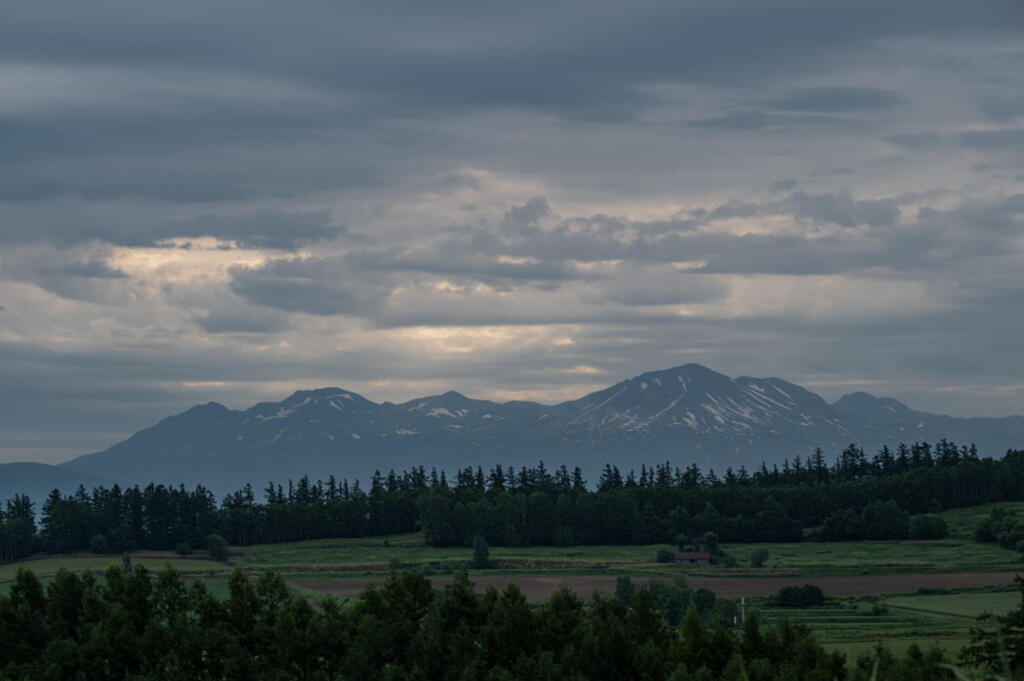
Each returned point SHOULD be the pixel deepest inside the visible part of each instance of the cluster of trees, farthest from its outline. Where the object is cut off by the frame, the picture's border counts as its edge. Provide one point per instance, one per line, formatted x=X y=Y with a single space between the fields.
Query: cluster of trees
x=806 y=596
x=673 y=600
x=17 y=529
x=881 y=520
x=132 y=626
x=531 y=506
x=1001 y=527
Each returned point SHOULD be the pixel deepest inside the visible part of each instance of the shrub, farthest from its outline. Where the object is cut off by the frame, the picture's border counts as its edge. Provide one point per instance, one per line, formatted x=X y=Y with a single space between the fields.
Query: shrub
x=664 y=556
x=805 y=596
x=481 y=554
x=183 y=549
x=759 y=557
x=704 y=599
x=928 y=527
x=217 y=547
x=98 y=544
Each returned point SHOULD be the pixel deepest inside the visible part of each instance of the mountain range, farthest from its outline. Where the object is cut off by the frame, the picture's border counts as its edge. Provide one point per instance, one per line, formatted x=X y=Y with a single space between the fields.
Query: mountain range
x=685 y=414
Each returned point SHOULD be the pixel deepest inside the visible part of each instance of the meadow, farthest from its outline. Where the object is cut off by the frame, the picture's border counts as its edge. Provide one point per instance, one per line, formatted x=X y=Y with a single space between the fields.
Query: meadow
x=48 y=566
x=858 y=625
x=350 y=557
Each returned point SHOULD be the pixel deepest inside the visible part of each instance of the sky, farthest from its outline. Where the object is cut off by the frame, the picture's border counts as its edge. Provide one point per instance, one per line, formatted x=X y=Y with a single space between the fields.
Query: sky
x=518 y=200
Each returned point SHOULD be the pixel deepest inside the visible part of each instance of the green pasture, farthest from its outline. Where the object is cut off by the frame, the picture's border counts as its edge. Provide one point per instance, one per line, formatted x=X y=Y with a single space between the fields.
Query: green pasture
x=377 y=555
x=410 y=550
x=856 y=626
x=49 y=566
x=811 y=559
x=823 y=559
x=964 y=605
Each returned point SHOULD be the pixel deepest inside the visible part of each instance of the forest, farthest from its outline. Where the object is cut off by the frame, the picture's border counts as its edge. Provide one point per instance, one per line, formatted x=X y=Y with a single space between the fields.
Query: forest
x=855 y=497
x=131 y=625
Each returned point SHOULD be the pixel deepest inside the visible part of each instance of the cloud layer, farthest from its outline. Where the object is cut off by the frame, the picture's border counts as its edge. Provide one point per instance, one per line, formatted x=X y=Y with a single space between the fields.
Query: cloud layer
x=517 y=200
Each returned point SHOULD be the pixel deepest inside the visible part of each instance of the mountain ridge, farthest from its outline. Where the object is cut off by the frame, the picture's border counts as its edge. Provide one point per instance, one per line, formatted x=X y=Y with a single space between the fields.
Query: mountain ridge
x=685 y=414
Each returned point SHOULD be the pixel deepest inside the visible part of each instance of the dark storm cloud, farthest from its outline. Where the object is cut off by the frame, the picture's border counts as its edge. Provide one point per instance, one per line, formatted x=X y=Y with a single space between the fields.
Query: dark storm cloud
x=318 y=286
x=343 y=72
x=1003 y=108
x=843 y=210
x=266 y=229
x=452 y=258
x=647 y=286
x=917 y=141
x=76 y=274
x=808 y=109
x=94 y=269
x=786 y=185
x=993 y=140
x=837 y=100
x=932 y=238
x=765 y=120
x=242 y=321
x=72 y=223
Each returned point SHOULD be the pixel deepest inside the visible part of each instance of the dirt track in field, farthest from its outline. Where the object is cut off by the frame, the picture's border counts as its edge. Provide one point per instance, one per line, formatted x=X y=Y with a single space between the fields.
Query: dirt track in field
x=537 y=587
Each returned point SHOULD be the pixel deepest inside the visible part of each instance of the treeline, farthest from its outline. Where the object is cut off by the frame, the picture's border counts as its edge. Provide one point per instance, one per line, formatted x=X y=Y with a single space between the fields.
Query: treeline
x=880 y=520
x=862 y=496
x=132 y=626
x=531 y=506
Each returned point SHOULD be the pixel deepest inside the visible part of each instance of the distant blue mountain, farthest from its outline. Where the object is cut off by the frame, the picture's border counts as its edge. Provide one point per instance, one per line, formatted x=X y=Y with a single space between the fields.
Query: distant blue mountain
x=686 y=414
x=37 y=480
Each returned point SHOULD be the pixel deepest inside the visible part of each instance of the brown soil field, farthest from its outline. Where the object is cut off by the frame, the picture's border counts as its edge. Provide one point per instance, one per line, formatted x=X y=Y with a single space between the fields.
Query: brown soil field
x=537 y=587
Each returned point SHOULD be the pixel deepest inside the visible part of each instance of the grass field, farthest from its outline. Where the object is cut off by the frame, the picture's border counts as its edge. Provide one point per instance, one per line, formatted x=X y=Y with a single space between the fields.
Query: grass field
x=810 y=559
x=882 y=557
x=49 y=566
x=856 y=626
x=964 y=605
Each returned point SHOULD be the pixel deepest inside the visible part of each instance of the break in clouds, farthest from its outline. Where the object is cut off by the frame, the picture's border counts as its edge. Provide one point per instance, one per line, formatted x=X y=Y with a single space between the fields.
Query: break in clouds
x=515 y=200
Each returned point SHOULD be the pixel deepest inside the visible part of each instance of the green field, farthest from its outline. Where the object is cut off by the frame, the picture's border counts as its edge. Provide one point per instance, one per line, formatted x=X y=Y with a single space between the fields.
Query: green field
x=810 y=559
x=376 y=555
x=823 y=559
x=964 y=605
x=856 y=626
x=49 y=566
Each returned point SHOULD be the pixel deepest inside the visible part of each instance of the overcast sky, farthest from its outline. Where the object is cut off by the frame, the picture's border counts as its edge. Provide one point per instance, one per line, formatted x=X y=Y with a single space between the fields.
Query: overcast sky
x=232 y=200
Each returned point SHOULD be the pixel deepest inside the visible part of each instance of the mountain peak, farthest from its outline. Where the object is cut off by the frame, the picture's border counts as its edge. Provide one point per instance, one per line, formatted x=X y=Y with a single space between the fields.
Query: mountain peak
x=208 y=408
x=690 y=369
x=865 y=406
